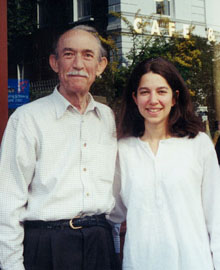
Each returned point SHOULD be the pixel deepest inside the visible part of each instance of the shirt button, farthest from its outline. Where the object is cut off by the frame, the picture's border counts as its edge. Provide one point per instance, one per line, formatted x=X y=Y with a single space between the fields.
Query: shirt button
x=84 y=144
x=87 y=194
x=84 y=169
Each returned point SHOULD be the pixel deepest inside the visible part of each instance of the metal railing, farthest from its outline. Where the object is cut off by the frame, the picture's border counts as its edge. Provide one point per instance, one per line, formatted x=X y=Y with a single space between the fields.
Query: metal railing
x=42 y=88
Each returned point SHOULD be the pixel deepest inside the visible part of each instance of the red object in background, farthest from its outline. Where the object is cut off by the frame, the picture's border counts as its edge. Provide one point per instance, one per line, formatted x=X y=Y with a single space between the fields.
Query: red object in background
x=3 y=67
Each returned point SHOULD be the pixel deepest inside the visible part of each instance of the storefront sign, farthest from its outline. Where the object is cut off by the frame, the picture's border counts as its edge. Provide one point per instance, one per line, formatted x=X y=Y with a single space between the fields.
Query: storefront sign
x=155 y=29
x=18 y=93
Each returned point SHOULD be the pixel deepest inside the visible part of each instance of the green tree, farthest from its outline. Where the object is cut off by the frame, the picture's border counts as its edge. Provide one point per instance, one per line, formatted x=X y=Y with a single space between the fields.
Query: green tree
x=21 y=24
x=21 y=19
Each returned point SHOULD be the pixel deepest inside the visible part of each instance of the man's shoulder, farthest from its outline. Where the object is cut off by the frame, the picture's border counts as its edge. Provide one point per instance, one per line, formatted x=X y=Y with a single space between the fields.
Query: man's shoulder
x=103 y=107
x=34 y=107
x=105 y=112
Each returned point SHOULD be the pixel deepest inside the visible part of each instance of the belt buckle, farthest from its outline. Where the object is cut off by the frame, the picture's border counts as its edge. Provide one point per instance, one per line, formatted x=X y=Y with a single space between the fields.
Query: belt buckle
x=71 y=224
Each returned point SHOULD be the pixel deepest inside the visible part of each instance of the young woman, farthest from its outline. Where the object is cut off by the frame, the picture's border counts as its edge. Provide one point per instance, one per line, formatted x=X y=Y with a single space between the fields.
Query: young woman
x=167 y=177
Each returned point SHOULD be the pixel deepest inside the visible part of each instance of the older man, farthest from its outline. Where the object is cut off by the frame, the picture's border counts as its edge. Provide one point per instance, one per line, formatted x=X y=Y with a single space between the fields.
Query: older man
x=56 y=169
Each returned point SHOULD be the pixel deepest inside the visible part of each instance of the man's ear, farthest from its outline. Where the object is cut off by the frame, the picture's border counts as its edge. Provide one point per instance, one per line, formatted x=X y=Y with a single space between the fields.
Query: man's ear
x=53 y=63
x=101 y=66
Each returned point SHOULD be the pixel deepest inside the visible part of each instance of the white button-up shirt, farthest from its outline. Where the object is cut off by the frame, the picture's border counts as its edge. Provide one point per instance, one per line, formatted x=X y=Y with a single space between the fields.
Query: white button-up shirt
x=172 y=202
x=54 y=164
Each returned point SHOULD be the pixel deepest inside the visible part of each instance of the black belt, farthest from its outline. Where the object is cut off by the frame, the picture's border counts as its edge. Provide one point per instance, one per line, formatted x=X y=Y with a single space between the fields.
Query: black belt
x=74 y=223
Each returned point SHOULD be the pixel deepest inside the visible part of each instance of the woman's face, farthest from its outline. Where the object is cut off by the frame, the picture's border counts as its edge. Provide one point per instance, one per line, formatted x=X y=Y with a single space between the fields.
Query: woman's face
x=154 y=99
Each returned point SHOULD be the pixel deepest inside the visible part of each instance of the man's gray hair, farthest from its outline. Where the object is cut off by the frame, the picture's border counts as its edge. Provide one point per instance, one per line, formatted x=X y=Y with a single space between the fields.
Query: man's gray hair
x=89 y=29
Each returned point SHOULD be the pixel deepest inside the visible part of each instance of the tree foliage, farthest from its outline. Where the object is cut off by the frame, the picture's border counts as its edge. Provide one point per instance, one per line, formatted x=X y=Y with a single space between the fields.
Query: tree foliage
x=21 y=24
x=21 y=19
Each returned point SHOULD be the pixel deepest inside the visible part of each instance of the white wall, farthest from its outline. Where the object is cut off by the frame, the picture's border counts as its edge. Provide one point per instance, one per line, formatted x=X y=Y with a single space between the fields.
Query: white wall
x=200 y=13
x=212 y=14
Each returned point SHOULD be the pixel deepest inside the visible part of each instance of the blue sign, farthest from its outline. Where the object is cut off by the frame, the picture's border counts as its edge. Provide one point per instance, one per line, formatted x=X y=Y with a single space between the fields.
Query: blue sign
x=18 y=93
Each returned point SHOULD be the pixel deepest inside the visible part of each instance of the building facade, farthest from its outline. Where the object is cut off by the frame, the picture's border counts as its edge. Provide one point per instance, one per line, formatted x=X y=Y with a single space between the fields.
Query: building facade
x=30 y=58
x=182 y=14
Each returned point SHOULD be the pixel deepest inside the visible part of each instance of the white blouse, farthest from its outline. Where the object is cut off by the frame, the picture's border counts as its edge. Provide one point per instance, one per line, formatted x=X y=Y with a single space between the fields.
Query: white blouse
x=172 y=202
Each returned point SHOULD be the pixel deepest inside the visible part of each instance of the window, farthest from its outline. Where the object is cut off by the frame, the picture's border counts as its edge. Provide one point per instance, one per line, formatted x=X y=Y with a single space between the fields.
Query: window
x=39 y=14
x=84 y=8
x=163 y=7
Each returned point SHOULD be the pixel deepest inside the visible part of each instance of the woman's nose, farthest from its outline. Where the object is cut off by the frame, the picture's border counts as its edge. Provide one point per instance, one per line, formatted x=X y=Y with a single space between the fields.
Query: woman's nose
x=153 y=98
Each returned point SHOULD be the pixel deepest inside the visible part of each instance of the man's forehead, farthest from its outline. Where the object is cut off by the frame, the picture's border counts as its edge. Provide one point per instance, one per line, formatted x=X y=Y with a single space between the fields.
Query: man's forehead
x=78 y=34
x=78 y=40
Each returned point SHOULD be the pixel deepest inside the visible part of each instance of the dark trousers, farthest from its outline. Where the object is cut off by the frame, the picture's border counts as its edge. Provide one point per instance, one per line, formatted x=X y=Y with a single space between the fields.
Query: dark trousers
x=67 y=249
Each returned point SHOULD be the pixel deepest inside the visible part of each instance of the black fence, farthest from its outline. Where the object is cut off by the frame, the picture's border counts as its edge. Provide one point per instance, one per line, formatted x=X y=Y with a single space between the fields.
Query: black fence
x=40 y=89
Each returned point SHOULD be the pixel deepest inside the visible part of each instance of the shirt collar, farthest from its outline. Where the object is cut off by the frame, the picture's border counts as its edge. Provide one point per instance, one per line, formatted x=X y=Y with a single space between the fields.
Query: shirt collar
x=94 y=106
x=62 y=104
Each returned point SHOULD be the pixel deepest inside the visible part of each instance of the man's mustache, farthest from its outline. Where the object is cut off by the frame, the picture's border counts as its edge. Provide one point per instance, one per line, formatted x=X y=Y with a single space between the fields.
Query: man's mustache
x=78 y=73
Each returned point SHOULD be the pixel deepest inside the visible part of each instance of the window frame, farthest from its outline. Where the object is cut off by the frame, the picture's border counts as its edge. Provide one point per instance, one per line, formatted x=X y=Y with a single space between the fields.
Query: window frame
x=165 y=7
x=84 y=9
